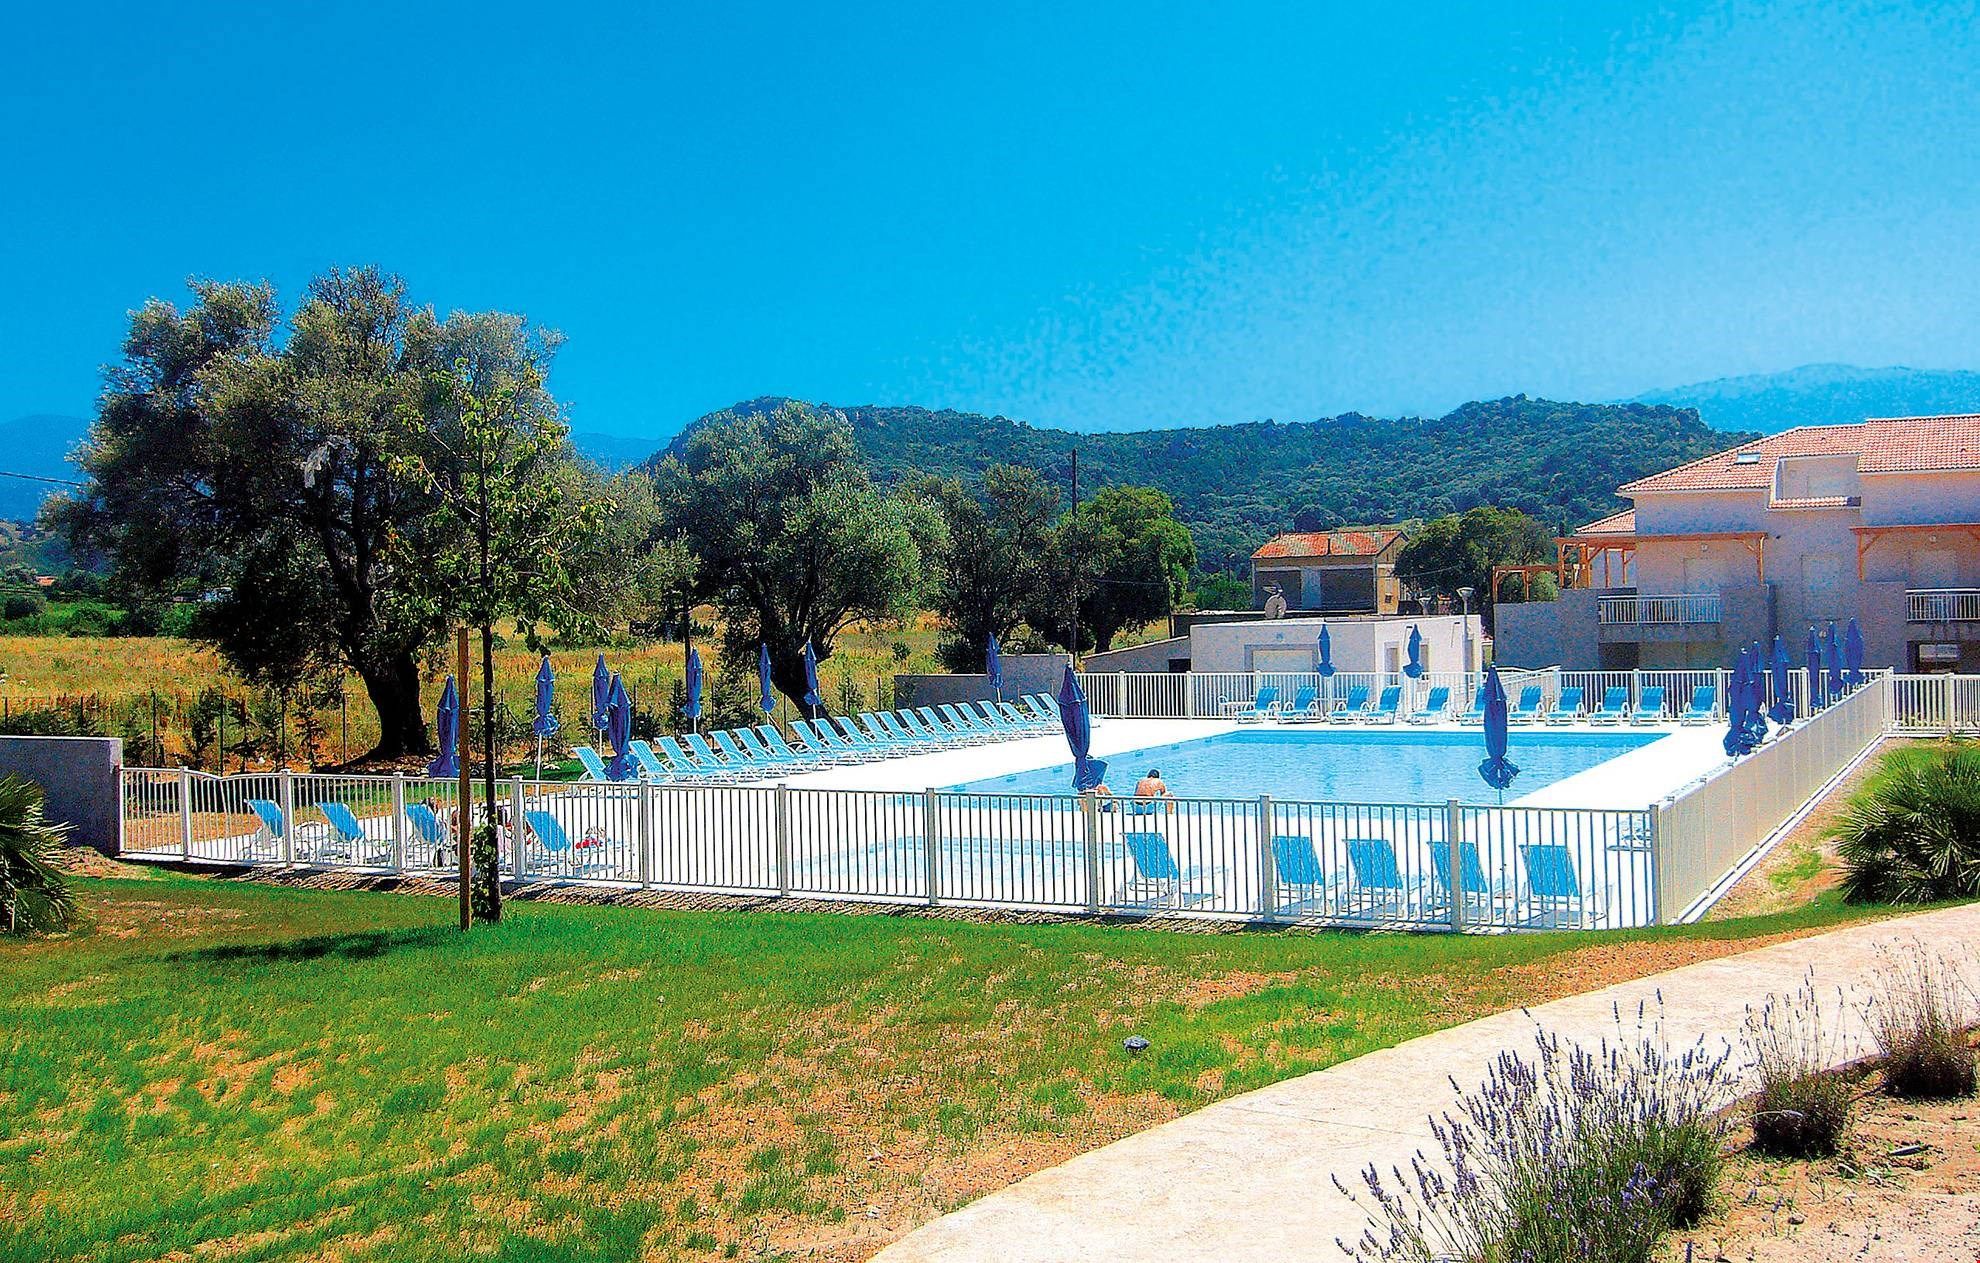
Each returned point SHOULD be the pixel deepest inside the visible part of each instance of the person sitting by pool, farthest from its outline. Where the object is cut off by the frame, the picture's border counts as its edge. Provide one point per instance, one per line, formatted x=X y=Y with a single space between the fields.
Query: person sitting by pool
x=1153 y=786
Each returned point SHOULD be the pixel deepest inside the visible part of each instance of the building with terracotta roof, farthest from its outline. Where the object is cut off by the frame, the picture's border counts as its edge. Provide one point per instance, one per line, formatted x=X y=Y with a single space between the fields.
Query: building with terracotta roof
x=1348 y=571
x=1877 y=521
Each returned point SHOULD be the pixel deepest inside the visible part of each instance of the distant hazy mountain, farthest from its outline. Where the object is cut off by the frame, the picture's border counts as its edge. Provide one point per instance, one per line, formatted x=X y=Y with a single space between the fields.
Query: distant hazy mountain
x=36 y=445
x=1823 y=394
x=614 y=451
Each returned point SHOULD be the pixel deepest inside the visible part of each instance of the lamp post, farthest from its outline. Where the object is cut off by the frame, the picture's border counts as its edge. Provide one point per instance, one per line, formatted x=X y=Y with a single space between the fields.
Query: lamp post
x=1464 y=595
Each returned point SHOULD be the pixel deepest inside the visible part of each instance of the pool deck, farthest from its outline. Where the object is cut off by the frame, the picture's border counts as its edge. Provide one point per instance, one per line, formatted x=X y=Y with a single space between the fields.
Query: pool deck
x=1631 y=780
x=1252 y=1177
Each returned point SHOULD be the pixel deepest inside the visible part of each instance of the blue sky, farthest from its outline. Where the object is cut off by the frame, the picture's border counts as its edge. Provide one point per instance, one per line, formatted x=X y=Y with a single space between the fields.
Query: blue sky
x=1098 y=216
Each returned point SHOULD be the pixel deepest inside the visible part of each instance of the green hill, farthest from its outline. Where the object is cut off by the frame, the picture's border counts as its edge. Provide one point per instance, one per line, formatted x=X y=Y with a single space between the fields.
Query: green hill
x=1236 y=485
x=1824 y=394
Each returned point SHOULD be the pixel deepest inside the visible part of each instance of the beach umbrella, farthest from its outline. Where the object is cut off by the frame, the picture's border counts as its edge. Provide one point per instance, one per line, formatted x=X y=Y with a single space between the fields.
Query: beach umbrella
x=993 y=666
x=768 y=699
x=814 y=697
x=1853 y=654
x=545 y=724
x=1326 y=667
x=601 y=695
x=1783 y=683
x=1736 y=742
x=1756 y=696
x=1496 y=768
x=1832 y=657
x=618 y=730
x=1817 y=696
x=447 y=731
x=692 y=709
x=1088 y=772
x=1414 y=667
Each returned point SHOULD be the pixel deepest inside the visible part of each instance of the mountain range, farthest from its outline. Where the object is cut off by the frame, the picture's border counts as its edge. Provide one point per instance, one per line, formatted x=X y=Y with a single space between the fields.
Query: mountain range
x=1237 y=483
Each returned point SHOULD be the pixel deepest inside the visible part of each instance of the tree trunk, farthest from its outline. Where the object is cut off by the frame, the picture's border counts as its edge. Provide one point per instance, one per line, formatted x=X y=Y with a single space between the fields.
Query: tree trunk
x=394 y=691
x=787 y=673
x=487 y=864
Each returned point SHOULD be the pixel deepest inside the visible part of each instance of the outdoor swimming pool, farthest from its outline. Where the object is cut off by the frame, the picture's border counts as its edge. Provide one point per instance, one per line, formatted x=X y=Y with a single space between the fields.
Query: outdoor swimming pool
x=1339 y=765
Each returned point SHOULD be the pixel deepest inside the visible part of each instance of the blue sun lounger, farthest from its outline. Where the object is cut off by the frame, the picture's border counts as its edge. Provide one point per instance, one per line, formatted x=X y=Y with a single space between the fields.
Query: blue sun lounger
x=1704 y=708
x=1305 y=705
x=1567 y=707
x=1614 y=707
x=1528 y=708
x=1297 y=869
x=347 y=840
x=1554 y=889
x=558 y=850
x=1354 y=708
x=1436 y=707
x=1384 y=709
x=1649 y=706
x=1377 y=884
x=1158 y=879
x=651 y=766
x=1475 y=713
x=774 y=742
x=594 y=767
x=1477 y=888
x=1262 y=706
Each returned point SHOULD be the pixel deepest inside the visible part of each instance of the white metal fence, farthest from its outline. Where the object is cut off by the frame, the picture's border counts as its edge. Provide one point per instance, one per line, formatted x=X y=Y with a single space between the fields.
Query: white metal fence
x=1681 y=609
x=1942 y=605
x=1386 y=865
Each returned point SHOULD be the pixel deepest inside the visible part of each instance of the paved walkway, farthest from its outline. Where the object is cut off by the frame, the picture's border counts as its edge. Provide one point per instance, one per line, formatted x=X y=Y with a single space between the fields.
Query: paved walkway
x=1251 y=1178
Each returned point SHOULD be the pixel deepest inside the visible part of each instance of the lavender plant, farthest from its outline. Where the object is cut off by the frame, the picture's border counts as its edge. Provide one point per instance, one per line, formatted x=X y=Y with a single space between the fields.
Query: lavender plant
x=1920 y=1018
x=1576 y=1153
x=1801 y=1108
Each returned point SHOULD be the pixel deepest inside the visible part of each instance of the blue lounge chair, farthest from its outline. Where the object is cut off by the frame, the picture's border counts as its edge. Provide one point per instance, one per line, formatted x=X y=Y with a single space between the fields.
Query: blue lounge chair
x=429 y=831
x=1305 y=705
x=272 y=827
x=651 y=766
x=966 y=721
x=1529 y=707
x=878 y=733
x=850 y=733
x=708 y=756
x=1474 y=714
x=347 y=840
x=895 y=725
x=1704 y=708
x=1436 y=707
x=1377 y=884
x=773 y=741
x=1158 y=879
x=1356 y=705
x=558 y=851
x=948 y=728
x=925 y=732
x=1554 y=889
x=1264 y=706
x=1385 y=707
x=1649 y=707
x=684 y=762
x=1567 y=707
x=594 y=767
x=764 y=755
x=1026 y=725
x=736 y=753
x=1047 y=716
x=1614 y=707
x=1477 y=888
x=1298 y=869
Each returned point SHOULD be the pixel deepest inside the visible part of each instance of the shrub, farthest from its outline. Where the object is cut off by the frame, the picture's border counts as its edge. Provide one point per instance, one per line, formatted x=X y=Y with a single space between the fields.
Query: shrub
x=1801 y=1108
x=1912 y=835
x=1919 y=1017
x=1581 y=1153
x=34 y=896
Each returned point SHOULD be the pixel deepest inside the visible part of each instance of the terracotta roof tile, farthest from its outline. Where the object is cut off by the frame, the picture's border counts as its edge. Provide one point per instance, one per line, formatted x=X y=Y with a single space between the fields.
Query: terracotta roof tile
x=1347 y=543
x=1623 y=523
x=1882 y=445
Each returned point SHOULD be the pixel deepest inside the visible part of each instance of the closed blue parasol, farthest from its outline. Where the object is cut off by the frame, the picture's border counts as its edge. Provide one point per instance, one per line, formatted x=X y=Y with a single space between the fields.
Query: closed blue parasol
x=1737 y=693
x=814 y=697
x=1756 y=696
x=692 y=709
x=1832 y=659
x=1783 y=683
x=1496 y=768
x=601 y=696
x=1414 y=667
x=1088 y=772
x=993 y=666
x=447 y=732
x=767 y=702
x=618 y=730
x=1818 y=696
x=1853 y=655
x=544 y=725
x=1326 y=666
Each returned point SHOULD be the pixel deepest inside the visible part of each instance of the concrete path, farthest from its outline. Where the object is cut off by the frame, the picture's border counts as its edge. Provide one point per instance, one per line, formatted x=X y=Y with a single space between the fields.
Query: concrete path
x=1251 y=1178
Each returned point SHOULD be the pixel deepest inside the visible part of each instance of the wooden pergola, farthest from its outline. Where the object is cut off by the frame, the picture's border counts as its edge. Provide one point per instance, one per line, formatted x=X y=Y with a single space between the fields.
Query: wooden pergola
x=1577 y=553
x=1867 y=536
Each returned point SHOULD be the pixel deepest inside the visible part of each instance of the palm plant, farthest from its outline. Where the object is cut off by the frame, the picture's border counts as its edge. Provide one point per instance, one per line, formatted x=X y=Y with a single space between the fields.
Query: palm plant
x=1913 y=834
x=34 y=896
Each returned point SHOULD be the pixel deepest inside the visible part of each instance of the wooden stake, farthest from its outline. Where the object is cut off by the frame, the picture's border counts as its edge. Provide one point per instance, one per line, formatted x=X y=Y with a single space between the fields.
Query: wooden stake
x=463 y=826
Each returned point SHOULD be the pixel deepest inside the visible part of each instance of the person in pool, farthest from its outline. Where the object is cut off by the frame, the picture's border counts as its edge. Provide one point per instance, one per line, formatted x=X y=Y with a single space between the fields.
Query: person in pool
x=1153 y=786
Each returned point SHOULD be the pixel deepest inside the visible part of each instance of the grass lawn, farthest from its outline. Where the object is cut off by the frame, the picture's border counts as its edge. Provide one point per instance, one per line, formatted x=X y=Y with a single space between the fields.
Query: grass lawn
x=235 y=1070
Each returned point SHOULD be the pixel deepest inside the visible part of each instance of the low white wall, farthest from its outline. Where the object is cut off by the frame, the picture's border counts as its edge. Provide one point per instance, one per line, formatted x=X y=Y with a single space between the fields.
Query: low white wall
x=78 y=776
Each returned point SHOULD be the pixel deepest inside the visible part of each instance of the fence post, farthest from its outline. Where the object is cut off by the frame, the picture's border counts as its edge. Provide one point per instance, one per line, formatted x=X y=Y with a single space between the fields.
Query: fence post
x=783 y=839
x=1189 y=694
x=185 y=814
x=288 y=784
x=1121 y=707
x=518 y=831
x=1089 y=811
x=398 y=822
x=931 y=843
x=1454 y=847
x=1656 y=815
x=643 y=833
x=1950 y=713
x=1268 y=873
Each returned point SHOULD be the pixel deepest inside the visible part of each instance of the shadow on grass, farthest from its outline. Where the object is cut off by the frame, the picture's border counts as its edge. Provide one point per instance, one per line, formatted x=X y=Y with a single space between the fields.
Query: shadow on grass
x=357 y=945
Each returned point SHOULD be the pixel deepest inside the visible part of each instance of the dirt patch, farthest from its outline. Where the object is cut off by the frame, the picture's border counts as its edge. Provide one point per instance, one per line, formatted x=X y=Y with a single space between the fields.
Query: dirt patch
x=1599 y=965
x=83 y=861
x=1202 y=992
x=1905 y=1189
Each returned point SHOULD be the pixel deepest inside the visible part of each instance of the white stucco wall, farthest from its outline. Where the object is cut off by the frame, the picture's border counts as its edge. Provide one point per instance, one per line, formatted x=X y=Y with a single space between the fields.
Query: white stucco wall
x=1450 y=643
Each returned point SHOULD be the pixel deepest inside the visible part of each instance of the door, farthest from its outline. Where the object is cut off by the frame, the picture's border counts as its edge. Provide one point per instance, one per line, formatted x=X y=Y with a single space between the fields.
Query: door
x=1824 y=585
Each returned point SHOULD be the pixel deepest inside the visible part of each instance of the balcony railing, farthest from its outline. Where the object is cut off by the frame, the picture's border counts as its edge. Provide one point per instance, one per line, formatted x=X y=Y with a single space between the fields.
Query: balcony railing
x=1681 y=609
x=1942 y=605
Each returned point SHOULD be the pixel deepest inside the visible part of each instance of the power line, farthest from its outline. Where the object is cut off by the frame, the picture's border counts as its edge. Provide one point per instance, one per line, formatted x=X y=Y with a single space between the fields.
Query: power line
x=60 y=482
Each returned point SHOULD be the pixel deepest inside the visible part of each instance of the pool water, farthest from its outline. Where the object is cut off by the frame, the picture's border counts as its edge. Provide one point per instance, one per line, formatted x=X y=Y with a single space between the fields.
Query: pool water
x=1339 y=765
